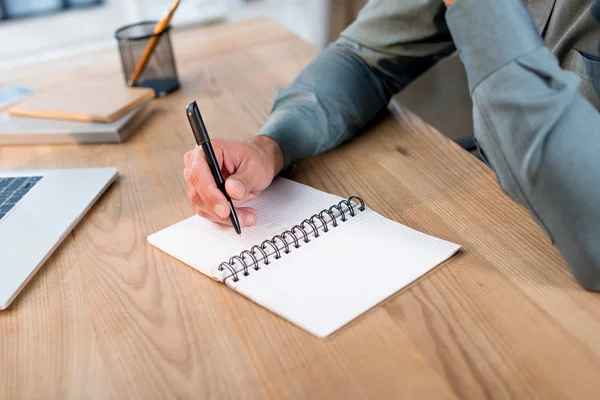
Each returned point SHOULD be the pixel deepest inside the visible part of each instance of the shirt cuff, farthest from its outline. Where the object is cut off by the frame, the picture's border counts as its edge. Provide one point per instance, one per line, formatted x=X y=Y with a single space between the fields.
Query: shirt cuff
x=292 y=133
x=490 y=34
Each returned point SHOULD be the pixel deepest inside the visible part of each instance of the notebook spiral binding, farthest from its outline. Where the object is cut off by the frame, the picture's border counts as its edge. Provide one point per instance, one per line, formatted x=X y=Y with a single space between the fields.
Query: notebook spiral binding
x=299 y=229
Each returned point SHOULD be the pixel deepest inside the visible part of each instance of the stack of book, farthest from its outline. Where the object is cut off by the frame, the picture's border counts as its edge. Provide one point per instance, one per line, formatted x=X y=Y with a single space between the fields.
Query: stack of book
x=76 y=113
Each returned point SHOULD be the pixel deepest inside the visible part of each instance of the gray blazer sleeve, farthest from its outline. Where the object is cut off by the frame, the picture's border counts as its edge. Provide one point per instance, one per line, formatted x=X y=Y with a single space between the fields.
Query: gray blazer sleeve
x=338 y=93
x=538 y=133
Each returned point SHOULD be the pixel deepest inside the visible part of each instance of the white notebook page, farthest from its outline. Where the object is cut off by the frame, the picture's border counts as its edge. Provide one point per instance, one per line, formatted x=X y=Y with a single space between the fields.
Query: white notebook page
x=323 y=284
x=336 y=277
x=204 y=245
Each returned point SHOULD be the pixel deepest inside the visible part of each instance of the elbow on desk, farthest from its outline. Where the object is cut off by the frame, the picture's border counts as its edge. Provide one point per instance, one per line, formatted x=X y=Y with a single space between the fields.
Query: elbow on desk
x=583 y=258
x=568 y=219
x=573 y=230
x=588 y=276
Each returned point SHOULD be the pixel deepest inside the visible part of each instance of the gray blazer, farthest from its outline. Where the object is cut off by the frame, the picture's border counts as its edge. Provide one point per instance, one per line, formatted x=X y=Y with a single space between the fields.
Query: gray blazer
x=534 y=78
x=571 y=30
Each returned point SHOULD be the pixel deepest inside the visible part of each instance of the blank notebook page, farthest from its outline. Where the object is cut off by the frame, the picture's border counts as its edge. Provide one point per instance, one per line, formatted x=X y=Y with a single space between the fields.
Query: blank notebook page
x=204 y=245
x=334 y=278
x=323 y=284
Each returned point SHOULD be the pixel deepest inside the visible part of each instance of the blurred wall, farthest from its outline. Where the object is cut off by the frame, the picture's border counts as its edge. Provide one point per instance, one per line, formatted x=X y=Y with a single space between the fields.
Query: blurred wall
x=342 y=13
x=309 y=19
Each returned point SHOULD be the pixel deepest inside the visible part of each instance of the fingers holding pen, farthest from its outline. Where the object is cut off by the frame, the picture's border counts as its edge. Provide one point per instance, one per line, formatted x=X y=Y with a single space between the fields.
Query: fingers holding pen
x=206 y=198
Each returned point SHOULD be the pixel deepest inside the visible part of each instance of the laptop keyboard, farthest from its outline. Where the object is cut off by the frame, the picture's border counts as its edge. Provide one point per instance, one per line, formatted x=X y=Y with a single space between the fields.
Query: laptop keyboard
x=13 y=189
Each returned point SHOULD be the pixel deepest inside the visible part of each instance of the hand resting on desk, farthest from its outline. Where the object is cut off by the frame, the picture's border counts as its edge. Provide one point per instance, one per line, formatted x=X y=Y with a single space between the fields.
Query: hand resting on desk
x=248 y=168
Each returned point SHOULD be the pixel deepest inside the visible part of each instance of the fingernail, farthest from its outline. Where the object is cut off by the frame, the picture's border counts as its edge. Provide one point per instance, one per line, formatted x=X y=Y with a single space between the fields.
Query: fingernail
x=220 y=211
x=239 y=187
x=250 y=219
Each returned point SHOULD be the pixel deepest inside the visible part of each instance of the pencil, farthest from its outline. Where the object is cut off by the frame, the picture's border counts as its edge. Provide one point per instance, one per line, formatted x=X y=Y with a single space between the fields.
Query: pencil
x=158 y=29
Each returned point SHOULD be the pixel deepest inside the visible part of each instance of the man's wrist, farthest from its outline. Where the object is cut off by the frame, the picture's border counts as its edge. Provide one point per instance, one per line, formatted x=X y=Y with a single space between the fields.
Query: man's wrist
x=272 y=151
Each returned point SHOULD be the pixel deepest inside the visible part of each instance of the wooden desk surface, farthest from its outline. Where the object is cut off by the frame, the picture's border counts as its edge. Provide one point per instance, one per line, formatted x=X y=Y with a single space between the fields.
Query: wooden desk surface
x=109 y=316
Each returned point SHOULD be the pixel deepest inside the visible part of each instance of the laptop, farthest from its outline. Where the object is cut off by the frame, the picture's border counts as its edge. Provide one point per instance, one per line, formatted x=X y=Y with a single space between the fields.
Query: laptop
x=38 y=209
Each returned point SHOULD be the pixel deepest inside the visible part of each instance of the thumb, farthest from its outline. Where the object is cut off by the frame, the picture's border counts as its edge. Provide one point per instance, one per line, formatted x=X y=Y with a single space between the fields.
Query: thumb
x=240 y=184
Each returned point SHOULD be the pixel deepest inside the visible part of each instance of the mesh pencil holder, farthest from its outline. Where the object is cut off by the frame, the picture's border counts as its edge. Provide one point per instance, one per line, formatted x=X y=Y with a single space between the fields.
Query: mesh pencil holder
x=160 y=72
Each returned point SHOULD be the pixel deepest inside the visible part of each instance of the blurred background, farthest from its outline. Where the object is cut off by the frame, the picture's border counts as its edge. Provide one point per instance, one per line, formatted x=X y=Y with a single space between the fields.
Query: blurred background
x=32 y=31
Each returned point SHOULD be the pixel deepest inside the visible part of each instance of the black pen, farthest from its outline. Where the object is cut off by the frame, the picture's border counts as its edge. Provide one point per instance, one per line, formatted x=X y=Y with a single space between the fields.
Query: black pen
x=202 y=139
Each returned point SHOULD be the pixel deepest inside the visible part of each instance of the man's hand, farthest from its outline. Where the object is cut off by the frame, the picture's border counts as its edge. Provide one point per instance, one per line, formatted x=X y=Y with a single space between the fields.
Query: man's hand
x=248 y=169
x=448 y=2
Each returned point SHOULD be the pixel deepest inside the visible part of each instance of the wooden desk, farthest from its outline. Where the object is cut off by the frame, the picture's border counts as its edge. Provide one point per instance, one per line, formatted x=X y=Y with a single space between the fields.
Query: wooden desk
x=109 y=316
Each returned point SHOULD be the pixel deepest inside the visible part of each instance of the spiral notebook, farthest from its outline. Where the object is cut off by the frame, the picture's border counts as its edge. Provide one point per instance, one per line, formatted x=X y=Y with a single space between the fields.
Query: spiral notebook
x=315 y=259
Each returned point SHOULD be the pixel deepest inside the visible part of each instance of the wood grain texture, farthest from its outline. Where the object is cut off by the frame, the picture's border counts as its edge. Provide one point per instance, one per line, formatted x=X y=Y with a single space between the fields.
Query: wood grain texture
x=110 y=317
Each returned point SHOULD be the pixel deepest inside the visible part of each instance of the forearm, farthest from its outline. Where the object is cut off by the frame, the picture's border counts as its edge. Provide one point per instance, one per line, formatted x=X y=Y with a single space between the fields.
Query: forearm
x=538 y=133
x=331 y=99
x=389 y=45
